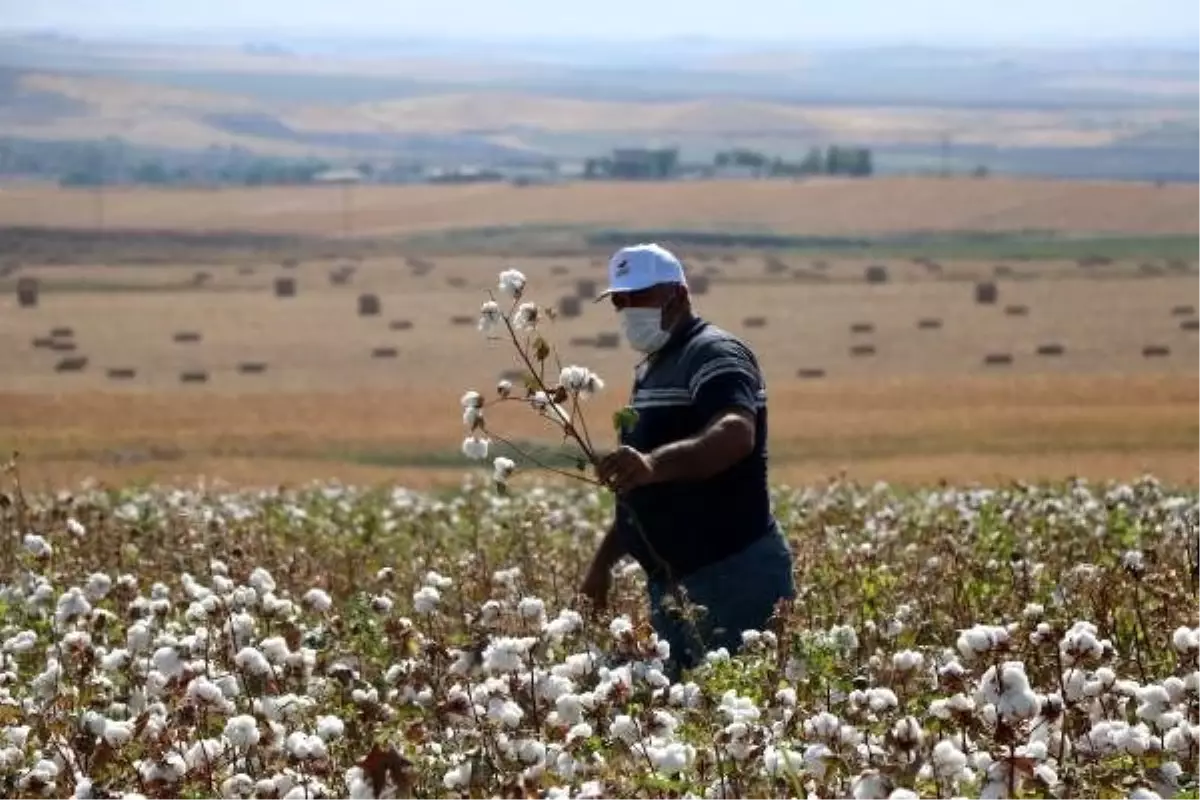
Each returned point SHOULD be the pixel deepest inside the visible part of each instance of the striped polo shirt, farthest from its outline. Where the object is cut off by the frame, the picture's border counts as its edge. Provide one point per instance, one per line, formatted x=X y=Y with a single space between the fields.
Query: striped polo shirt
x=701 y=371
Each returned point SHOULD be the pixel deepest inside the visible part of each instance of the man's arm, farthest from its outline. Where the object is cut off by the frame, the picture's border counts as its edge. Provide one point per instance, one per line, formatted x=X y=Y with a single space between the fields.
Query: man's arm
x=598 y=579
x=727 y=440
x=609 y=552
x=726 y=389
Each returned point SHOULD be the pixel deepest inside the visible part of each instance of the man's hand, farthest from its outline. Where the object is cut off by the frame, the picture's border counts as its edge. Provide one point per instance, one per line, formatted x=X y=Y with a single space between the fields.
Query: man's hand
x=626 y=469
x=595 y=587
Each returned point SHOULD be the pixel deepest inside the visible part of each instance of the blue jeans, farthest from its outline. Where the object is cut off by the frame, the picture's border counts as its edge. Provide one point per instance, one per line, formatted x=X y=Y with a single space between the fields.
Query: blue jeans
x=739 y=594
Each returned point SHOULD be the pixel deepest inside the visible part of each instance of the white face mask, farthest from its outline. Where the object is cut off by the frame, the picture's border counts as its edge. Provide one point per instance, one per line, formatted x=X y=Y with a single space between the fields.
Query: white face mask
x=643 y=328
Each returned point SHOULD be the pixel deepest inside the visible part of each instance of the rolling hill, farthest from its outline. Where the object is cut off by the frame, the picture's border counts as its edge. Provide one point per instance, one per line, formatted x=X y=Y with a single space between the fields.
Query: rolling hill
x=1089 y=114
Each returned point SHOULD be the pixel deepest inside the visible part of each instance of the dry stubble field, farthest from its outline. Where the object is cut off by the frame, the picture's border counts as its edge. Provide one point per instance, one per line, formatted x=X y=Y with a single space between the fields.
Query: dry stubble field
x=829 y=207
x=924 y=405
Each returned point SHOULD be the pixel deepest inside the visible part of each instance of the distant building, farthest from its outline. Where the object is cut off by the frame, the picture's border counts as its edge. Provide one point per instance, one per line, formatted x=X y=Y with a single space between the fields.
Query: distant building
x=635 y=163
x=339 y=176
x=736 y=172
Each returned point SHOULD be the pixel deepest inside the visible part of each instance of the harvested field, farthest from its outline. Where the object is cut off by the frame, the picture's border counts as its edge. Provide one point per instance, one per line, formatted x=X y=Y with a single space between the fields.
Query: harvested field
x=824 y=206
x=926 y=405
x=917 y=429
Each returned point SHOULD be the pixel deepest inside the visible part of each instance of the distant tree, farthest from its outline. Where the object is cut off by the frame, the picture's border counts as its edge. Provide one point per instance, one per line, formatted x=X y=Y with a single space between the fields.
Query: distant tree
x=151 y=172
x=833 y=160
x=82 y=177
x=813 y=163
x=860 y=162
x=665 y=162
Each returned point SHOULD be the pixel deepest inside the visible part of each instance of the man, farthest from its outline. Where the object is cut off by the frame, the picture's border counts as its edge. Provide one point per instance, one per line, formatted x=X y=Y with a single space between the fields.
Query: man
x=691 y=473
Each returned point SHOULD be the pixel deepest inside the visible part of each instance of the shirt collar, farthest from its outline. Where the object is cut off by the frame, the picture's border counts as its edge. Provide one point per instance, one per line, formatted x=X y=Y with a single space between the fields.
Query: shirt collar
x=678 y=338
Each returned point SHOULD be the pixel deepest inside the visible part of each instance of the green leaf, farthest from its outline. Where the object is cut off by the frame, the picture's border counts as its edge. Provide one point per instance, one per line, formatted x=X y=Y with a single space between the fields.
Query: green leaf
x=624 y=419
x=530 y=383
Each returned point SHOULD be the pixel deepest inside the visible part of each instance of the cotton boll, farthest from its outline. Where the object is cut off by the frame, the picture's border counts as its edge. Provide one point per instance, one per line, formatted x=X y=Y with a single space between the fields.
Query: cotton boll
x=1008 y=690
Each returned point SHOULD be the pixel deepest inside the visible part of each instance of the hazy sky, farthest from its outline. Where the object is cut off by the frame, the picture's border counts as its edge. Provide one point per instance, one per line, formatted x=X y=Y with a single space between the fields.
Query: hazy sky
x=946 y=21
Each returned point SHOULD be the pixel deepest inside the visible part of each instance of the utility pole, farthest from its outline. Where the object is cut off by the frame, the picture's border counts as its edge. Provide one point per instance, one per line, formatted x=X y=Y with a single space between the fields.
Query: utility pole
x=347 y=210
x=98 y=206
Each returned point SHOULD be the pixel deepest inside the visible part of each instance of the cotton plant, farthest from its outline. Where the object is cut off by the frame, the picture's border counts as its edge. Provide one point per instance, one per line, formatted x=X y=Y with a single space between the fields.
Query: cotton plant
x=557 y=399
x=269 y=643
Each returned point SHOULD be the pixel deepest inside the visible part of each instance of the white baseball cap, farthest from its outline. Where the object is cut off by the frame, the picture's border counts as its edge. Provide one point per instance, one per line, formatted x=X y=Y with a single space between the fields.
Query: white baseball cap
x=641 y=266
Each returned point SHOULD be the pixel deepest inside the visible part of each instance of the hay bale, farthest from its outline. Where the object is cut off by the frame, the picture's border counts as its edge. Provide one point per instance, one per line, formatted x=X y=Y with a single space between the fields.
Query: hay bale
x=341 y=276
x=1183 y=311
x=754 y=322
x=862 y=350
x=368 y=305
x=27 y=292
x=419 y=266
x=929 y=324
x=62 y=346
x=570 y=306
x=455 y=282
x=809 y=373
x=193 y=376
x=997 y=359
x=698 y=284
x=200 y=278
x=775 y=265
x=986 y=293
x=876 y=273
x=1016 y=311
x=1002 y=271
x=1188 y=324
x=607 y=341
x=1093 y=261
x=1150 y=269
x=1156 y=351
x=121 y=373
x=71 y=364
x=462 y=319
x=62 y=332
x=400 y=325
x=559 y=269
x=585 y=288
x=290 y=263
x=1050 y=349
x=384 y=352
x=252 y=367
x=186 y=337
x=43 y=342
x=862 y=327
x=245 y=271
x=285 y=287
x=582 y=341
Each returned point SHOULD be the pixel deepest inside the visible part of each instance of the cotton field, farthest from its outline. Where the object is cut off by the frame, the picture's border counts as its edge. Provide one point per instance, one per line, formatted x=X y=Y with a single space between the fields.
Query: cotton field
x=331 y=642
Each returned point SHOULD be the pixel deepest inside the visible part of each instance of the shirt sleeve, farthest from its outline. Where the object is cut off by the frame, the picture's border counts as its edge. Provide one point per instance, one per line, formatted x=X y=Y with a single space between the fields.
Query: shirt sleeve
x=725 y=376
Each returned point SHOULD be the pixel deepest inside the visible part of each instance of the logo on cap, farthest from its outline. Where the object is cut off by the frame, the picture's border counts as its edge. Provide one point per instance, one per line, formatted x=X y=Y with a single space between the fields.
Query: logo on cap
x=622 y=269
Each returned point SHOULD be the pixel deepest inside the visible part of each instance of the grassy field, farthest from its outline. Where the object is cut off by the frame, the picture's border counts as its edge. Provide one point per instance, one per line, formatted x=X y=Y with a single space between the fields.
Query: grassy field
x=922 y=404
